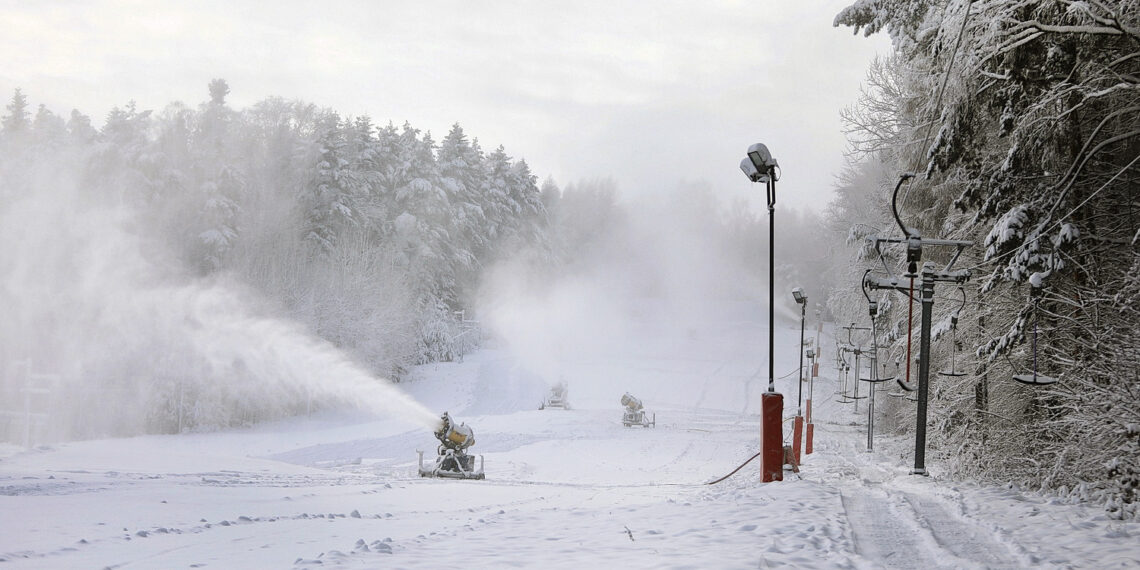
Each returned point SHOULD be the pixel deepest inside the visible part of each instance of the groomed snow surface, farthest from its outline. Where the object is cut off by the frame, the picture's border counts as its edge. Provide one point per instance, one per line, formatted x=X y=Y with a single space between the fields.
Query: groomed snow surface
x=564 y=488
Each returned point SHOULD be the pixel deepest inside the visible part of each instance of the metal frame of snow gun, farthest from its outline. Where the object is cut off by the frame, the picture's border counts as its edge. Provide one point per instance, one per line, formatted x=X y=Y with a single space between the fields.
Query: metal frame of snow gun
x=629 y=419
x=634 y=414
x=459 y=473
x=558 y=398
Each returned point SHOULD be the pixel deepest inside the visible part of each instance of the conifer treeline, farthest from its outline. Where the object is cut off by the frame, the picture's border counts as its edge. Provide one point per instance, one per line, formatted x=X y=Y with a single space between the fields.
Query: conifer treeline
x=372 y=236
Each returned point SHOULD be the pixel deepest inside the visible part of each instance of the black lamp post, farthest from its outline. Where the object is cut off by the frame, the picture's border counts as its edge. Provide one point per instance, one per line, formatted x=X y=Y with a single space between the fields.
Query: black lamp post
x=798 y=424
x=801 y=300
x=759 y=166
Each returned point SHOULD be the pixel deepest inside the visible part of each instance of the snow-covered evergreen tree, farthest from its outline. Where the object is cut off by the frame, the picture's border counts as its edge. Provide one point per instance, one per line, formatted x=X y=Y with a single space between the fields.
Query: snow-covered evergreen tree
x=1025 y=119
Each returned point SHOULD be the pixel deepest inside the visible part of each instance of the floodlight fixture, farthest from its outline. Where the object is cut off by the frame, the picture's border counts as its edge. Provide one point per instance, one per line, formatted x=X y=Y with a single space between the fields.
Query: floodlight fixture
x=798 y=294
x=761 y=158
x=810 y=353
x=750 y=171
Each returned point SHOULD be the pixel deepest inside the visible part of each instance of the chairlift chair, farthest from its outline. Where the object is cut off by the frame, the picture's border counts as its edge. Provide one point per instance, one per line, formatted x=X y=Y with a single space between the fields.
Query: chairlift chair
x=906 y=386
x=873 y=309
x=845 y=368
x=1035 y=379
x=954 y=337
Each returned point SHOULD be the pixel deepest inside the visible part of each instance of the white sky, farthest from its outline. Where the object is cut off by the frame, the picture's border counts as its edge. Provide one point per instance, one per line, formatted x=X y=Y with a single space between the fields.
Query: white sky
x=648 y=93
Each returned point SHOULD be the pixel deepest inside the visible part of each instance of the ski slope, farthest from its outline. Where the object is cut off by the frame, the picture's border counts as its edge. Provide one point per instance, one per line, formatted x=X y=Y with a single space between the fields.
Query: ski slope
x=564 y=488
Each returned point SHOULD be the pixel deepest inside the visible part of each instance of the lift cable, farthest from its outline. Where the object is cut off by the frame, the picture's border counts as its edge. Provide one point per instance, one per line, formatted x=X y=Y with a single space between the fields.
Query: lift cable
x=1060 y=220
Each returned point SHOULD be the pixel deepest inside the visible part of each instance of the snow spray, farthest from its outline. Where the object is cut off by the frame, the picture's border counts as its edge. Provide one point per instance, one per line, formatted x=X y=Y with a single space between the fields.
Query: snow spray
x=133 y=344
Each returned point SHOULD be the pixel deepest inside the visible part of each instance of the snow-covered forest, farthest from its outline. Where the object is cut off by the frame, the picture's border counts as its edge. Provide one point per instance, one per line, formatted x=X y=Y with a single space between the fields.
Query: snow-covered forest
x=148 y=262
x=1022 y=121
x=200 y=298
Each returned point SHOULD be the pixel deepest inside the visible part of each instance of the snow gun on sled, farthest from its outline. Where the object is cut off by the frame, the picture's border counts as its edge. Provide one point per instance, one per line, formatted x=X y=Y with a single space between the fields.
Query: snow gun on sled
x=557 y=398
x=453 y=461
x=635 y=413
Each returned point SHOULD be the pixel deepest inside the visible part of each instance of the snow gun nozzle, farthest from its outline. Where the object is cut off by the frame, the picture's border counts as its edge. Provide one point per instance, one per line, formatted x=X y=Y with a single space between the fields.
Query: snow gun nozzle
x=452 y=435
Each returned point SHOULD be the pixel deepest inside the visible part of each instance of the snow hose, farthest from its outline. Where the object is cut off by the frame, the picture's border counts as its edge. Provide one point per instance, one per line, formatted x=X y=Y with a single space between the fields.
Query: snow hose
x=737 y=469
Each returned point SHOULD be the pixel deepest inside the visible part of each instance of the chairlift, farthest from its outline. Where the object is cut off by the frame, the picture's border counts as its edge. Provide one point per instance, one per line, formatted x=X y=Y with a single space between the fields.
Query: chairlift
x=855 y=397
x=876 y=380
x=847 y=368
x=1035 y=379
x=841 y=369
x=844 y=368
x=954 y=337
x=895 y=377
x=908 y=396
x=844 y=397
x=873 y=309
x=889 y=378
x=913 y=256
x=905 y=385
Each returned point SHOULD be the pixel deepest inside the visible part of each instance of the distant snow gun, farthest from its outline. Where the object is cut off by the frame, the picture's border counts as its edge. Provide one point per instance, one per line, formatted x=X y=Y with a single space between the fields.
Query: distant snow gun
x=635 y=413
x=557 y=398
x=453 y=462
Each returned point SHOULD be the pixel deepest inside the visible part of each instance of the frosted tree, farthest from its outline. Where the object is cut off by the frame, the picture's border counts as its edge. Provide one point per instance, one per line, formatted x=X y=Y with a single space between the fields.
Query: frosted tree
x=1030 y=135
x=220 y=183
x=330 y=197
x=461 y=169
x=18 y=119
x=372 y=238
x=48 y=129
x=80 y=130
x=122 y=163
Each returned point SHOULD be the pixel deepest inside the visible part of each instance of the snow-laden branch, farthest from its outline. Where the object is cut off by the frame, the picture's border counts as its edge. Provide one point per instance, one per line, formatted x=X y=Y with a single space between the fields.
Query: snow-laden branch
x=1113 y=30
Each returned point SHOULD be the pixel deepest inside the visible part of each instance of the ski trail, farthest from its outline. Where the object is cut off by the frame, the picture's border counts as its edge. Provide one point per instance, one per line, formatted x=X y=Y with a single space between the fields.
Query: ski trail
x=897 y=523
x=883 y=537
x=961 y=537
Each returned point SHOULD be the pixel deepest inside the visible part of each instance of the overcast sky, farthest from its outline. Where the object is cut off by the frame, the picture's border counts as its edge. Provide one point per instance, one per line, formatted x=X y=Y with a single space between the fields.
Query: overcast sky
x=648 y=93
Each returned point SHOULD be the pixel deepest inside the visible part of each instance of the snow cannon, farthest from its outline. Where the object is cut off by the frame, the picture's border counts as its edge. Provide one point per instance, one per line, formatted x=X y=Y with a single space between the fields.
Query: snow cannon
x=635 y=414
x=452 y=461
x=557 y=398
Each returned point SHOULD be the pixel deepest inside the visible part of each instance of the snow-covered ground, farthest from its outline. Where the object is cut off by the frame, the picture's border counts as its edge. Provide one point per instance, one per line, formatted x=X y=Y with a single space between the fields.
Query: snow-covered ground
x=564 y=488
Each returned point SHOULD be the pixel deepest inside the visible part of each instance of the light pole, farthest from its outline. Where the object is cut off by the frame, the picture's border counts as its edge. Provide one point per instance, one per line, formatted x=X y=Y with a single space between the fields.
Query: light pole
x=759 y=166
x=811 y=382
x=798 y=424
x=813 y=355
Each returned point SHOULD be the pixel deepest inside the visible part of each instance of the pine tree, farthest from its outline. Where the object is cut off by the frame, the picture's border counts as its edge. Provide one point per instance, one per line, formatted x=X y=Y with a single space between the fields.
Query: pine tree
x=17 y=121
x=461 y=168
x=220 y=183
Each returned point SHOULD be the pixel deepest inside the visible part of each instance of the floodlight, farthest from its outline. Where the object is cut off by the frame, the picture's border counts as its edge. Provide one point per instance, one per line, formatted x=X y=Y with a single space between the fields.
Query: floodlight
x=810 y=353
x=761 y=158
x=750 y=171
x=798 y=293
